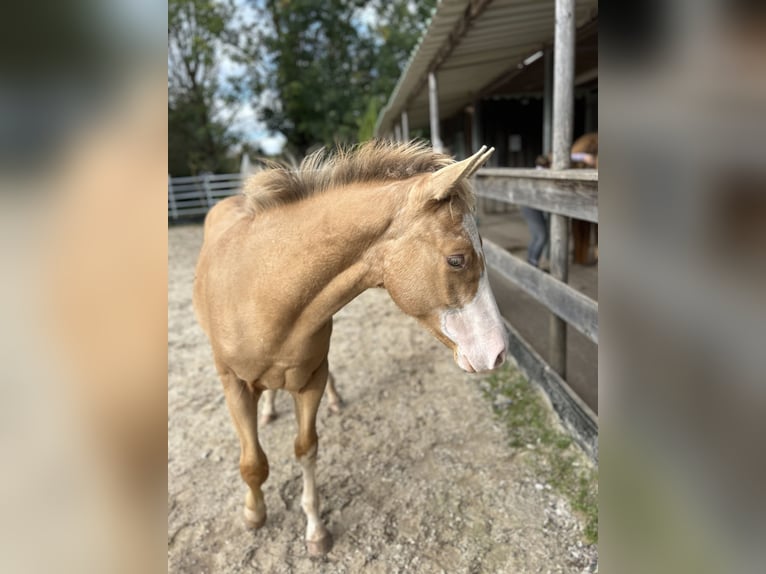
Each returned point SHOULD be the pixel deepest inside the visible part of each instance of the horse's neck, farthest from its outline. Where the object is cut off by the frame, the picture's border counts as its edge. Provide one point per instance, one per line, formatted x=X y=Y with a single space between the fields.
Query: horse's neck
x=334 y=248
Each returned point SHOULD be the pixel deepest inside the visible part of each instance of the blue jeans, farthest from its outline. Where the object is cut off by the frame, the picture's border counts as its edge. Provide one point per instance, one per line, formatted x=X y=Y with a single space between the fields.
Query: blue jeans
x=538 y=228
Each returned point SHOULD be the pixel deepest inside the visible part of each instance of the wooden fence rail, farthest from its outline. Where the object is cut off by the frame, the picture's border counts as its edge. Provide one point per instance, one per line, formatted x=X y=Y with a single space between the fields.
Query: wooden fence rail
x=577 y=417
x=572 y=192
x=567 y=193
x=575 y=308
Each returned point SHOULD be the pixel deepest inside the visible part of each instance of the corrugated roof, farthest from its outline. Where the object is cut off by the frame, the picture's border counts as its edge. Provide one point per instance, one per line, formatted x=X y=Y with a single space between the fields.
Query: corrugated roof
x=503 y=34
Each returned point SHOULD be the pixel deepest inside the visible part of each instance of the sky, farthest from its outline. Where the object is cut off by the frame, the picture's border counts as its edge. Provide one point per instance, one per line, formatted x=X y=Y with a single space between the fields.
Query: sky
x=244 y=116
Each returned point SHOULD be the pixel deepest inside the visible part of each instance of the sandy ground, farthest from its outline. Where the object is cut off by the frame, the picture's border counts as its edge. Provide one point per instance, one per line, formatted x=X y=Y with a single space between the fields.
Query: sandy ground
x=414 y=476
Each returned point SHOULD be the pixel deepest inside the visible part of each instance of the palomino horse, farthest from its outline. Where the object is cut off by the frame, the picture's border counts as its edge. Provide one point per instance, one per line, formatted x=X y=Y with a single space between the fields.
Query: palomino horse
x=280 y=260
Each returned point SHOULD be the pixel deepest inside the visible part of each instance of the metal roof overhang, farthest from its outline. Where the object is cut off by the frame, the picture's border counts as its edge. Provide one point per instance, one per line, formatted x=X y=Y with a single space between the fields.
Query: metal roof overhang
x=496 y=39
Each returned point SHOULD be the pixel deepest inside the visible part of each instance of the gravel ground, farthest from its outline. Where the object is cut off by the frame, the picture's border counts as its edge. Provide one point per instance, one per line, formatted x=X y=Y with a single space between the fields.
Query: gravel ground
x=415 y=475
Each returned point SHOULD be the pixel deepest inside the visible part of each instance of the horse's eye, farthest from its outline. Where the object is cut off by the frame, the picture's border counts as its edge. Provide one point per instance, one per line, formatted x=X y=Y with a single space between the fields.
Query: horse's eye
x=456 y=261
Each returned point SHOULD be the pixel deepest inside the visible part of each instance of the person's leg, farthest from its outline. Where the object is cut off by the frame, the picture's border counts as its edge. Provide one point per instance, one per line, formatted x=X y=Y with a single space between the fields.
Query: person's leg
x=538 y=229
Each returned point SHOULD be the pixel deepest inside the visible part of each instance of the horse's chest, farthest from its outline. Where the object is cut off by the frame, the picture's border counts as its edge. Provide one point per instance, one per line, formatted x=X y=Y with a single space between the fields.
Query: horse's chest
x=286 y=365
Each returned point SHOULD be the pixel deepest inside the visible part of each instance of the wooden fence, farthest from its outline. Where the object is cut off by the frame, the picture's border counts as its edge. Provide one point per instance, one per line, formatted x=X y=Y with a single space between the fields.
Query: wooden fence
x=192 y=197
x=566 y=193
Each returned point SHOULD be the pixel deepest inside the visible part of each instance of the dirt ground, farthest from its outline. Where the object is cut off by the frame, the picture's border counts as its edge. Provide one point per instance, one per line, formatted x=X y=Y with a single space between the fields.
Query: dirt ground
x=415 y=475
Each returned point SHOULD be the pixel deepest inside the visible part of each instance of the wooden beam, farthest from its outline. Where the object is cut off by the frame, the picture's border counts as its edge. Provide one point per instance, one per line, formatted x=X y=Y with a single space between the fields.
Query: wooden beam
x=559 y=258
x=579 y=176
x=477 y=134
x=586 y=30
x=555 y=192
x=563 y=119
x=405 y=126
x=547 y=100
x=569 y=304
x=433 y=101
x=563 y=84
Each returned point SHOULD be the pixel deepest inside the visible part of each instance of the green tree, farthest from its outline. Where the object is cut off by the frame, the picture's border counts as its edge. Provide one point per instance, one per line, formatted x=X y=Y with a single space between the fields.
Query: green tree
x=332 y=63
x=399 y=25
x=200 y=32
x=367 y=123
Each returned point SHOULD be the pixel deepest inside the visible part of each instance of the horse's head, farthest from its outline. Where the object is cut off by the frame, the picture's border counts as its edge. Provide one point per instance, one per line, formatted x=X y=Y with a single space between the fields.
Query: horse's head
x=435 y=271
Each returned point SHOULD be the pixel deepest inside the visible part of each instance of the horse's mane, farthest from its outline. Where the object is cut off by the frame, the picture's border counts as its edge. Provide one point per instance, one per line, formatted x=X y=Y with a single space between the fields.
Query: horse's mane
x=376 y=160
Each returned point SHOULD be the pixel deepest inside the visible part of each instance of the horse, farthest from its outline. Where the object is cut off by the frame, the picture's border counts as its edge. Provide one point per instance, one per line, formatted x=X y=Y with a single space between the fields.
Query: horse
x=583 y=155
x=280 y=259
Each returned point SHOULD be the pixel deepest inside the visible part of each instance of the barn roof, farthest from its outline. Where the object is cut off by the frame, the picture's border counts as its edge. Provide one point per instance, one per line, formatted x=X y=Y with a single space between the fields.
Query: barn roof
x=471 y=44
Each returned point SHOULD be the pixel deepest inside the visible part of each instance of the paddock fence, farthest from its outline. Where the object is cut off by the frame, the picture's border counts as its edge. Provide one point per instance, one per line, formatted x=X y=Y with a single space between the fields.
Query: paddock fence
x=570 y=194
x=192 y=197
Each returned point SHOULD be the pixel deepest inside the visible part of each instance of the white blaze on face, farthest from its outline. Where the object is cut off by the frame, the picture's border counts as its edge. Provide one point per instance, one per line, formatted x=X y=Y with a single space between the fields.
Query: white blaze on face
x=477 y=328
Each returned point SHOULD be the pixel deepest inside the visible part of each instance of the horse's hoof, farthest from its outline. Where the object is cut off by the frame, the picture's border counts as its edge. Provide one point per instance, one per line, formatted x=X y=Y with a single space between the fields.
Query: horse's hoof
x=266 y=419
x=252 y=520
x=319 y=547
x=335 y=408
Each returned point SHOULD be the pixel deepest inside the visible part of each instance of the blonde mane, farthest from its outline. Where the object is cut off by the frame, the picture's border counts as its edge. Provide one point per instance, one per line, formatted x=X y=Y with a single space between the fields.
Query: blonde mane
x=376 y=160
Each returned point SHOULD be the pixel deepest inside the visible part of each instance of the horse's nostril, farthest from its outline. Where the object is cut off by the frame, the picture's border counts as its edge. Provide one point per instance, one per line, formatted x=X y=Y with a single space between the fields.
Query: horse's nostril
x=500 y=359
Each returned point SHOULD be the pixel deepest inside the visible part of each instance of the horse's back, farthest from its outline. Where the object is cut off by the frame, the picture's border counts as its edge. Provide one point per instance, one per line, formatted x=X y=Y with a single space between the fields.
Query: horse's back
x=586 y=143
x=219 y=219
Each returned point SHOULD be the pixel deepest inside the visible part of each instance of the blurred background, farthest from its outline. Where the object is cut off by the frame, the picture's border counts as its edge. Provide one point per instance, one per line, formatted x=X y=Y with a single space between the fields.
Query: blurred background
x=83 y=135
x=681 y=367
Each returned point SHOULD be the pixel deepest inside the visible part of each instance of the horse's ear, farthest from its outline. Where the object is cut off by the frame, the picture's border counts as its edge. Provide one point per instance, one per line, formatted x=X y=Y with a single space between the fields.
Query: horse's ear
x=443 y=181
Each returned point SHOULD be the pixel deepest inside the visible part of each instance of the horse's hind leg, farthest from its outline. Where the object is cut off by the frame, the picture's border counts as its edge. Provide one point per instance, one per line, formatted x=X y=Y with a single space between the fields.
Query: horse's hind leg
x=253 y=465
x=334 y=402
x=269 y=412
x=318 y=538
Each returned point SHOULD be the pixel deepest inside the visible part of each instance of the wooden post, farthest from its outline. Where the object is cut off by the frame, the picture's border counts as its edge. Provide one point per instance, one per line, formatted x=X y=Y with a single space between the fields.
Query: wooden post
x=563 y=83
x=398 y=132
x=172 y=198
x=476 y=133
x=547 y=101
x=563 y=110
x=433 y=105
x=206 y=185
x=476 y=143
x=405 y=126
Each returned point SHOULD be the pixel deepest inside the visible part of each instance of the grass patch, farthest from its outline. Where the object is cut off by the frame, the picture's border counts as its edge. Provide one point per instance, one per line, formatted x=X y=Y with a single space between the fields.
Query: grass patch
x=554 y=456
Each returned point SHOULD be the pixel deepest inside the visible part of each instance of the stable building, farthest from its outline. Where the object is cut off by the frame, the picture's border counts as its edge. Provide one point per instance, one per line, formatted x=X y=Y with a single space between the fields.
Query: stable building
x=522 y=76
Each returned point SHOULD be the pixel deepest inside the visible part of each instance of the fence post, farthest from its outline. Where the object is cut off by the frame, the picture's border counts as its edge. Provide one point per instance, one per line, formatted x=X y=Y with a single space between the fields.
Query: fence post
x=206 y=186
x=547 y=101
x=563 y=108
x=172 y=198
x=405 y=126
x=433 y=105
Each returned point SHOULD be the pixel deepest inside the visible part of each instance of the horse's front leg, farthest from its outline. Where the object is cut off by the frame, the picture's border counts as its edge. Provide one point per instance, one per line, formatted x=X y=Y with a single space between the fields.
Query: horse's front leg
x=253 y=465
x=318 y=538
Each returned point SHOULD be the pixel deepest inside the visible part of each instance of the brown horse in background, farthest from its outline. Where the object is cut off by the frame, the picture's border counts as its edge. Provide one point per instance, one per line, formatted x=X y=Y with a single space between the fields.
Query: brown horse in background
x=279 y=261
x=583 y=155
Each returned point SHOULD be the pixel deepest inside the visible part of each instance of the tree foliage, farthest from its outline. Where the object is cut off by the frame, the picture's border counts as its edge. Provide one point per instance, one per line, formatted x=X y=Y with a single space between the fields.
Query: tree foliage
x=334 y=62
x=318 y=71
x=199 y=31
